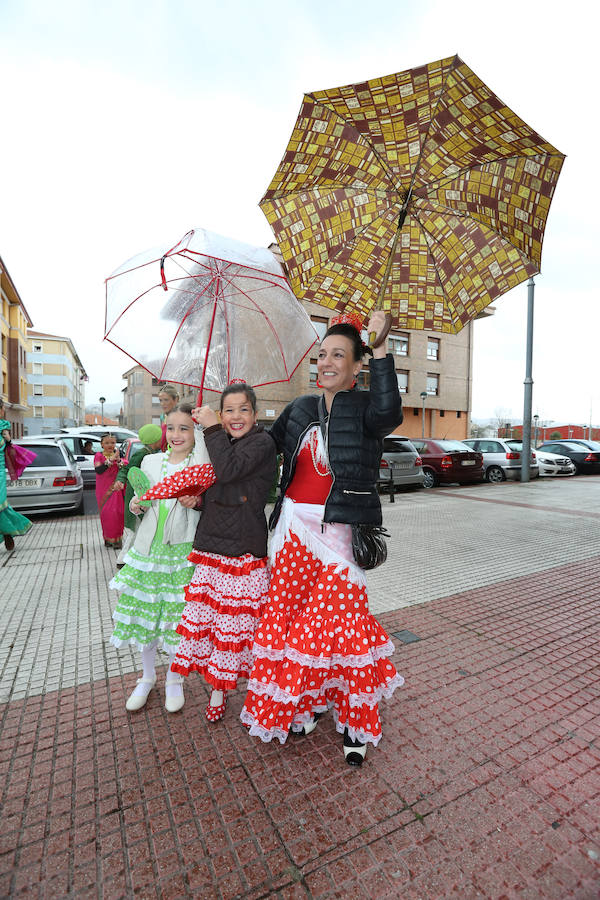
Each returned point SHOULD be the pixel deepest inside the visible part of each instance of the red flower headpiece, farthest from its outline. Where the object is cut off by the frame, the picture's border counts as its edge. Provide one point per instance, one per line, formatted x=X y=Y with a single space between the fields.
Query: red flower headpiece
x=349 y=318
x=238 y=381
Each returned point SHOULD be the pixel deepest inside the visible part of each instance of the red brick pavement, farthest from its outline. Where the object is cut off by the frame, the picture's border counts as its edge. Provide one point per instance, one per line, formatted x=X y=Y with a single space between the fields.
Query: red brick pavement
x=486 y=783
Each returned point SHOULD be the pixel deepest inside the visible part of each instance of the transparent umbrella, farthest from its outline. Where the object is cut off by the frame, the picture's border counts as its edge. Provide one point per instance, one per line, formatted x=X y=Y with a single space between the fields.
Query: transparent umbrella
x=206 y=311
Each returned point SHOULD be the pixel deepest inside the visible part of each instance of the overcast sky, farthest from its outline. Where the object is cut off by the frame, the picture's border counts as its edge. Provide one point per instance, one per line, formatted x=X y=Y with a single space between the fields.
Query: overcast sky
x=124 y=124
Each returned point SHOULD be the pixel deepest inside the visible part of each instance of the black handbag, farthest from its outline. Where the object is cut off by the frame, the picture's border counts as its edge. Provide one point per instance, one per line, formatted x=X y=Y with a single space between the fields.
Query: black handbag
x=369 y=546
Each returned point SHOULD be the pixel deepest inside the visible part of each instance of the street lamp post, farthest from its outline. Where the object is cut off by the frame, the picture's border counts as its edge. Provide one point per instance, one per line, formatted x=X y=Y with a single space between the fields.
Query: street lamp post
x=535 y=428
x=423 y=398
x=102 y=402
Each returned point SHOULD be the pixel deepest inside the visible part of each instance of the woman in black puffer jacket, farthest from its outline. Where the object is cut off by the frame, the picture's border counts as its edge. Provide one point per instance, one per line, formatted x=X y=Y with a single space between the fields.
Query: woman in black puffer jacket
x=317 y=646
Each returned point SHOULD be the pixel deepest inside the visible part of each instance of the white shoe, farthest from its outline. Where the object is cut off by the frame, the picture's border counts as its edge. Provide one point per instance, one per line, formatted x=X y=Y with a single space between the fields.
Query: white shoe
x=174 y=699
x=137 y=699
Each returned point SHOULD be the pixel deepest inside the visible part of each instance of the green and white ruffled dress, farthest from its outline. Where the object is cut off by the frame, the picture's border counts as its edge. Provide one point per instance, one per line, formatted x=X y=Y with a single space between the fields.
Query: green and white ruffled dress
x=152 y=587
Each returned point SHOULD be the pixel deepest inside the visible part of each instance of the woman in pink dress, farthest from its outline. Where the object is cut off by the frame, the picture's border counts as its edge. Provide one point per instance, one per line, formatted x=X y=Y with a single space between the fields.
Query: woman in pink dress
x=109 y=492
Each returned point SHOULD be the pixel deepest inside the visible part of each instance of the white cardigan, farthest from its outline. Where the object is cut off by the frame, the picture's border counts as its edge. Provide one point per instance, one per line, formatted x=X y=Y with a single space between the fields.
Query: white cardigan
x=180 y=525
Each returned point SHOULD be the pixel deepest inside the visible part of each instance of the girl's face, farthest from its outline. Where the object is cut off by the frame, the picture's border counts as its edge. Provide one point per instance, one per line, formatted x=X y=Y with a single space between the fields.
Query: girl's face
x=167 y=402
x=336 y=365
x=108 y=443
x=180 y=432
x=237 y=415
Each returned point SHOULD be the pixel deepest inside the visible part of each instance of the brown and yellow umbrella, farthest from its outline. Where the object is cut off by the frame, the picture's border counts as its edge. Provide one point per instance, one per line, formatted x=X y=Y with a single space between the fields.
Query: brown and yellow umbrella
x=420 y=193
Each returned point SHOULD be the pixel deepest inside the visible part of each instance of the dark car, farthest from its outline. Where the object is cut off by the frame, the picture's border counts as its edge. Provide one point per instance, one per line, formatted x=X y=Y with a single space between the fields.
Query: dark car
x=400 y=464
x=586 y=461
x=449 y=462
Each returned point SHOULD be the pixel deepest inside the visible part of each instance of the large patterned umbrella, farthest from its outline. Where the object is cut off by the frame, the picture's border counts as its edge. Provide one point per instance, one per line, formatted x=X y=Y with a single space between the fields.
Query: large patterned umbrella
x=420 y=193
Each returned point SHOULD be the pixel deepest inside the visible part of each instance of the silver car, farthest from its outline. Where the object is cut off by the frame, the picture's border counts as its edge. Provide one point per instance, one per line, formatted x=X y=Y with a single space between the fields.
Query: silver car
x=501 y=461
x=82 y=446
x=400 y=463
x=52 y=483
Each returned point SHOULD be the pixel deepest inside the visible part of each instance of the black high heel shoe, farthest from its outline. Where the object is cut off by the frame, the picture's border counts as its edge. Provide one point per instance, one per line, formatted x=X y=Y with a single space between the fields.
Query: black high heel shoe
x=309 y=727
x=354 y=751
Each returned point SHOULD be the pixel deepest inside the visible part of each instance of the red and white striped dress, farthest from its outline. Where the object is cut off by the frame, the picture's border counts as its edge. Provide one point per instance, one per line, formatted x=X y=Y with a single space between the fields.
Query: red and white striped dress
x=317 y=647
x=223 y=604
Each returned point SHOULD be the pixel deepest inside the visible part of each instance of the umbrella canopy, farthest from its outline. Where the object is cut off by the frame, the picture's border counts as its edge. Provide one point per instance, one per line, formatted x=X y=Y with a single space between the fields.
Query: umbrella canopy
x=206 y=311
x=420 y=193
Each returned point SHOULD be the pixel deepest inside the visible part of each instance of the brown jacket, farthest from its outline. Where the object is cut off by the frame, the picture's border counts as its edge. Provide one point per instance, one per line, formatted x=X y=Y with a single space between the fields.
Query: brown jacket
x=233 y=509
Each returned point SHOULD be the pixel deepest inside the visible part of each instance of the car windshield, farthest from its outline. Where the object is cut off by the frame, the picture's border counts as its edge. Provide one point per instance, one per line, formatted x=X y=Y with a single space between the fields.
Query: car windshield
x=558 y=448
x=453 y=445
x=515 y=445
x=46 y=455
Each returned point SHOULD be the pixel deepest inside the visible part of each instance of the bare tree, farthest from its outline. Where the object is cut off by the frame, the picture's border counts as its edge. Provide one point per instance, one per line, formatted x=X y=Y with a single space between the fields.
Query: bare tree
x=500 y=420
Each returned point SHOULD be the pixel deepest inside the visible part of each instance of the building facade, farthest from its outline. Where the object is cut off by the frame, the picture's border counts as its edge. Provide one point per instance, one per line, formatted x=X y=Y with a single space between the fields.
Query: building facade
x=14 y=321
x=140 y=398
x=56 y=382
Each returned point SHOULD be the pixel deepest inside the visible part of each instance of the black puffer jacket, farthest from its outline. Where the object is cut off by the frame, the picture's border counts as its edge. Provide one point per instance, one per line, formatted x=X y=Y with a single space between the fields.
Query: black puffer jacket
x=233 y=519
x=358 y=422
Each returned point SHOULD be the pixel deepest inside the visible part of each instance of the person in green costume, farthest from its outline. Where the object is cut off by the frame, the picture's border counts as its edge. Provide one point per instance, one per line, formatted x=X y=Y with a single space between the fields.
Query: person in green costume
x=156 y=568
x=11 y=522
x=151 y=437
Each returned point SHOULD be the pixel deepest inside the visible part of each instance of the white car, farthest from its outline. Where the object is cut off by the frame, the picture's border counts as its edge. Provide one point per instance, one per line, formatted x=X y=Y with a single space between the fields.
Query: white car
x=554 y=464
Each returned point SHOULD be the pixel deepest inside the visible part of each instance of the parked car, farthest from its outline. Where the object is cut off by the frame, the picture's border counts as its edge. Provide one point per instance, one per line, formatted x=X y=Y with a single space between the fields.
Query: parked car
x=591 y=445
x=130 y=446
x=400 y=464
x=551 y=463
x=52 y=482
x=501 y=460
x=82 y=446
x=121 y=434
x=447 y=462
x=586 y=461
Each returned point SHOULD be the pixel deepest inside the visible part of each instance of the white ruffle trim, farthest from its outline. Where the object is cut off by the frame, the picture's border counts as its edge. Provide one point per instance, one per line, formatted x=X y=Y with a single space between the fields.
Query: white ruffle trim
x=320 y=662
x=355 y=699
x=145 y=597
x=144 y=623
x=148 y=565
x=265 y=734
x=157 y=642
x=254 y=595
x=289 y=520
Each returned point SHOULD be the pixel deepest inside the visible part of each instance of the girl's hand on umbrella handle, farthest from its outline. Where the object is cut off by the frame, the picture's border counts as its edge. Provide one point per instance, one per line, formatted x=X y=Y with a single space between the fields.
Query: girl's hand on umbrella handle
x=205 y=416
x=134 y=506
x=118 y=486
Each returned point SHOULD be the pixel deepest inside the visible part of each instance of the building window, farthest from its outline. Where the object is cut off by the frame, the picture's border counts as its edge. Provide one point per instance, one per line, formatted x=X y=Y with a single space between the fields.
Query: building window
x=363 y=380
x=3 y=345
x=415 y=411
x=433 y=384
x=458 y=413
x=313 y=374
x=38 y=368
x=433 y=348
x=38 y=390
x=38 y=412
x=442 y=413
x=398 y=345
x=320 y=325
x=37 y=348
x=402 y=376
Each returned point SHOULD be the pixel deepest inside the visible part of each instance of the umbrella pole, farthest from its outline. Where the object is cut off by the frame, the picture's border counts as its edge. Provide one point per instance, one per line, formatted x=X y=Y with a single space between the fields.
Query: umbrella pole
x=382 y=287
x=528 y=391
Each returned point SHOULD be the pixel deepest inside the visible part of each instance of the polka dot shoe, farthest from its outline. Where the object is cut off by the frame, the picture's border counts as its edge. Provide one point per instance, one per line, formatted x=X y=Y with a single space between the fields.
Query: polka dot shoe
x=215 y=713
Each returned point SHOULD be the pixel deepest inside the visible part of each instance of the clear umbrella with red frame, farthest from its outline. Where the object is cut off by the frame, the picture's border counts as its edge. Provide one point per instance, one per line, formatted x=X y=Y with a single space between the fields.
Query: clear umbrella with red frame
x=206 y=311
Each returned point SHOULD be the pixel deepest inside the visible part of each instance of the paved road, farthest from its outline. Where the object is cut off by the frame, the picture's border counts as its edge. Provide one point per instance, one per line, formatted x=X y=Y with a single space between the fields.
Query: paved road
x=487 y=781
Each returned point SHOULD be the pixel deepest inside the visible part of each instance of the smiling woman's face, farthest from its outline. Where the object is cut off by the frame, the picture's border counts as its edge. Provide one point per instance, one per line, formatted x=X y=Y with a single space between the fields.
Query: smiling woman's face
x=336 y=365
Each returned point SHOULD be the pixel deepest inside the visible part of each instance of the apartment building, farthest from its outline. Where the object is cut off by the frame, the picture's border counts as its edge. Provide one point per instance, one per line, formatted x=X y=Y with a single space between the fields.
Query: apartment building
x=56 y=382
x=140 y=398
x=14 y=321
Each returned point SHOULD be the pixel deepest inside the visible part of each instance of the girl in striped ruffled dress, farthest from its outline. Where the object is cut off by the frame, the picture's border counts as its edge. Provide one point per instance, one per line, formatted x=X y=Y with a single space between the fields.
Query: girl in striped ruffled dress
x=228 y=591
x=156 y=570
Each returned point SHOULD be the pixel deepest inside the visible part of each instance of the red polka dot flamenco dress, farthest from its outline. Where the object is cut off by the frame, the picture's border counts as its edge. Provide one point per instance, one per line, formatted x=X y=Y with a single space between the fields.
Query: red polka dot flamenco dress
x=317 y=647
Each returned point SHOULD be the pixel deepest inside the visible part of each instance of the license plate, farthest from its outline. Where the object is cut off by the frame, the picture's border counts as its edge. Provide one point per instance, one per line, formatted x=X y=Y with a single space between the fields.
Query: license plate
x=26 y=483
x=402 y=465
x=467 y=462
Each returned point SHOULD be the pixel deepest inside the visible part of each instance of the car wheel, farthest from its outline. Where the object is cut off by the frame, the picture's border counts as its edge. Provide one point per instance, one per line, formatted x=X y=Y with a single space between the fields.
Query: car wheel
x=495 y=475
x=429 y=478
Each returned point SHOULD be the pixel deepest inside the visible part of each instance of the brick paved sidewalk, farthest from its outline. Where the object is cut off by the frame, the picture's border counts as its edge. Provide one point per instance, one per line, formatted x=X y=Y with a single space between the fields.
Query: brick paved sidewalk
x=486 y=783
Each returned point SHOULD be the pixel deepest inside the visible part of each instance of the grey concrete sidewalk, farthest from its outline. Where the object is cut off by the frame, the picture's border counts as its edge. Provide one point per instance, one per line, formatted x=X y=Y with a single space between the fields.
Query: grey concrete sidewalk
x=56 y=605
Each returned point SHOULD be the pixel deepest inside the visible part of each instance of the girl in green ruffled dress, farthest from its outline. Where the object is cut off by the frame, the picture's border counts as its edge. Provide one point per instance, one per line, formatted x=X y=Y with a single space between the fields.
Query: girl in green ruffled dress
x=156 y=569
